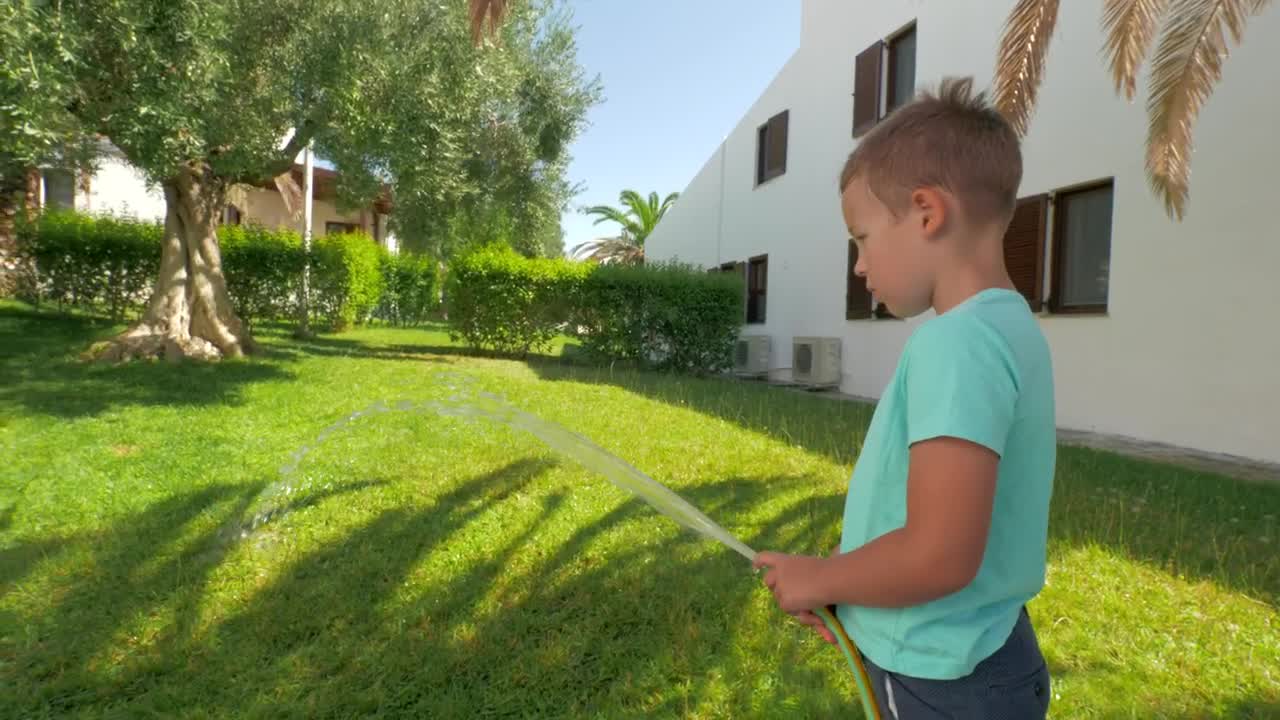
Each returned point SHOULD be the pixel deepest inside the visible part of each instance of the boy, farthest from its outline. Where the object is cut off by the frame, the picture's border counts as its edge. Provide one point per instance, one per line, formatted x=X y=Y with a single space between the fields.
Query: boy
x=946 y=517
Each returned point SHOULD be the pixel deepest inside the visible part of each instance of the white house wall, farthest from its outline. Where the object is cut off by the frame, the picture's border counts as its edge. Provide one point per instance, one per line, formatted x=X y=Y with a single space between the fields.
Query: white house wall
x=1189 y=350
x=120 y=189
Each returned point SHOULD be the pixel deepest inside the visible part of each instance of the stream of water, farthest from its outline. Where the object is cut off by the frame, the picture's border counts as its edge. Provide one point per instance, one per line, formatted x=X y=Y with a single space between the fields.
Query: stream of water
x=467 y=403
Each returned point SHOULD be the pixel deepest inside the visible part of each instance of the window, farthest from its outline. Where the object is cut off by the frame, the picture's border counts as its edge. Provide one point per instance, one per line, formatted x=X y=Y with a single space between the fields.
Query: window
x=1024 y=248
x=857 y=299
x=59 y=189
x=231 y=215
x=757 y=287
x=337 y=228
x=902 y=70
x=771 y=148
x=898 y=53
x=1082 y=249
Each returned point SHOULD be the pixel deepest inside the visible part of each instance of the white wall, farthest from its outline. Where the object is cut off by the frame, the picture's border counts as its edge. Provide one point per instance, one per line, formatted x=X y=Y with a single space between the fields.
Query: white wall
x=120 y=189
x=1189 y=351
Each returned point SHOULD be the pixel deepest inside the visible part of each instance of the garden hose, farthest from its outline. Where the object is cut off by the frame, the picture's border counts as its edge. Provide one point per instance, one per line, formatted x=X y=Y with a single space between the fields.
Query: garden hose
x=854 y=658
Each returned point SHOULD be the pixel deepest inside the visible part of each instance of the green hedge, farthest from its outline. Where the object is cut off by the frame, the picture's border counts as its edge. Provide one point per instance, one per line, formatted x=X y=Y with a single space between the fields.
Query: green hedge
x=346 y=279
x=263 y=270
x=500 y=300
x=410 y=292
x=103 y=264
x=667 y=316
x=107 y=264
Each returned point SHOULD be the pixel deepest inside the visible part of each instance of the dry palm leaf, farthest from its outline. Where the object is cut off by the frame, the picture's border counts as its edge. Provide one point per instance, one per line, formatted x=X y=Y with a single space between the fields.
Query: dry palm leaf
x=1187 y=64
x=492 y=10
x=1021 y=59
x=290 y=192
x=1130 y=27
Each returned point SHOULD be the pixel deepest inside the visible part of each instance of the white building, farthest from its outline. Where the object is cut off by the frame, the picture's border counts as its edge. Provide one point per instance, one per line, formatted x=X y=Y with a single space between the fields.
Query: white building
x=1161 y=330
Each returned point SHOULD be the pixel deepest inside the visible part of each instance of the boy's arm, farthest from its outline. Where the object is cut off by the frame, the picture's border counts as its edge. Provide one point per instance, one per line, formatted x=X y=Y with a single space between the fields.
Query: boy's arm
x=961 y=391
x=950 y=489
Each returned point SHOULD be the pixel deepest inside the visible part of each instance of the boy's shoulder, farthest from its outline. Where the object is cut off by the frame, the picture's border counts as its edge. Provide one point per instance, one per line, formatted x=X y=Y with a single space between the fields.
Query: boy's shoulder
x=992 y=332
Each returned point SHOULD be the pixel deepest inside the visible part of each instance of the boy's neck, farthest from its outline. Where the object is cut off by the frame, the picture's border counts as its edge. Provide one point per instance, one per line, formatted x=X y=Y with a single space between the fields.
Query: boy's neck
x=969 y=273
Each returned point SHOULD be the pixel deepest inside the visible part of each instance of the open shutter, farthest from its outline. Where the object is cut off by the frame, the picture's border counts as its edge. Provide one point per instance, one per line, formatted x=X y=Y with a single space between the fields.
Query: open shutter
x=778 y=143
x=1024 y=248
x=866 y=88
x=857 y=299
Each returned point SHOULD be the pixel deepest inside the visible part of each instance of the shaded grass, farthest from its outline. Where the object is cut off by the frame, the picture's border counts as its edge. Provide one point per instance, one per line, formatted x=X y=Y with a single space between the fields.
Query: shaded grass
x=442 y=569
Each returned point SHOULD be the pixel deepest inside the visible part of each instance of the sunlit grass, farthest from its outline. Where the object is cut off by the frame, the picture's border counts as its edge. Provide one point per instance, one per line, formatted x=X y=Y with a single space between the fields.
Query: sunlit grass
x=435 y=568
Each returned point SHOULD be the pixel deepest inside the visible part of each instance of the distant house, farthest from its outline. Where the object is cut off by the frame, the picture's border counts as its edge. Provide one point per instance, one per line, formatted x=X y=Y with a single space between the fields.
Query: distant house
x=121 y=189
x=1160 y=330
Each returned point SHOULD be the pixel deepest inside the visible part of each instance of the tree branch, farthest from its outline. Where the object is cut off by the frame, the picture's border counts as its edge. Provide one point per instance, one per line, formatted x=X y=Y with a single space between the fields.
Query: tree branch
x=301 y=137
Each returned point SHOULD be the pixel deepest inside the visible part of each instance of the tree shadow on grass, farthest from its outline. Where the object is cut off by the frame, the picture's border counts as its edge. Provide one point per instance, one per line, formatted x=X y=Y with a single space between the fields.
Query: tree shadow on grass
x=38 y=359
x=617 y=616
x=92 y=649
x=1179 y=519
x=353 y=628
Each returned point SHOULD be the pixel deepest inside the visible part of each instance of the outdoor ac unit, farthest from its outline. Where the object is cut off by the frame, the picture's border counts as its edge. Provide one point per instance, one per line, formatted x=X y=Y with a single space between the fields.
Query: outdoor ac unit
x=751 y=355
x=815 y=361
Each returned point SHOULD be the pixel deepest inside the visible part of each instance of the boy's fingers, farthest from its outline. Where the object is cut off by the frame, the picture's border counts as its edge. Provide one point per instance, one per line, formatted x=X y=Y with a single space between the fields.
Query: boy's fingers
x=762 y=559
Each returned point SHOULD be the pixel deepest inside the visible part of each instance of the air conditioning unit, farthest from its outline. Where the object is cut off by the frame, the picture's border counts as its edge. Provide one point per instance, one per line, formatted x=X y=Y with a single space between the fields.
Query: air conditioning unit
x=751 y=355
x=815 y=361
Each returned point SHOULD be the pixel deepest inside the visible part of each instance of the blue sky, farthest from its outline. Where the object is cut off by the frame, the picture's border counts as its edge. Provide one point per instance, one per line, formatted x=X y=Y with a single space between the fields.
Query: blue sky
x=677 y=76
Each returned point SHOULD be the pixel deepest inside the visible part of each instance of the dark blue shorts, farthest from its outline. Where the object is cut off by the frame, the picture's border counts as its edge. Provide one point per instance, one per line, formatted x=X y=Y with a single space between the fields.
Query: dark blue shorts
x=1011 y=684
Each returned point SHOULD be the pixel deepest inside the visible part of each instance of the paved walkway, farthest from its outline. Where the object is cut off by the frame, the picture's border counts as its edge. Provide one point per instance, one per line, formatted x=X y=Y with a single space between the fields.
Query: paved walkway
x=1231 y=465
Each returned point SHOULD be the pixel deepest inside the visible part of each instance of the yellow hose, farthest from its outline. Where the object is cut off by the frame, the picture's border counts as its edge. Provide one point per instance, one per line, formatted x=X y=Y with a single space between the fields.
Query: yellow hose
x=854 y=658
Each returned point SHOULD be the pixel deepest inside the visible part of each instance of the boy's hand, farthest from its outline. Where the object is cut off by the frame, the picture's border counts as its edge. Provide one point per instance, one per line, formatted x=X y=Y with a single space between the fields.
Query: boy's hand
x=808 y=618
x=796 y=580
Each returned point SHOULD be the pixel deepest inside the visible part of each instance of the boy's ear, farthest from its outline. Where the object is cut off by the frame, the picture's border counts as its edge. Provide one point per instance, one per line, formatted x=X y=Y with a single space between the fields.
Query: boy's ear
x=929 y=205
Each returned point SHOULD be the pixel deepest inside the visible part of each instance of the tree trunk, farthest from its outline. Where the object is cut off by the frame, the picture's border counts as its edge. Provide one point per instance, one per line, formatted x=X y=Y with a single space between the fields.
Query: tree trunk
x=189 y=314
x=11 y=186
x=19 y=192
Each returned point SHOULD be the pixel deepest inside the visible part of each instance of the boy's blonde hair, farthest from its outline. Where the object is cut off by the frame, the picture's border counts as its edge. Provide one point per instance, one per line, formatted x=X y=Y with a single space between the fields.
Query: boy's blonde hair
x=950 y=139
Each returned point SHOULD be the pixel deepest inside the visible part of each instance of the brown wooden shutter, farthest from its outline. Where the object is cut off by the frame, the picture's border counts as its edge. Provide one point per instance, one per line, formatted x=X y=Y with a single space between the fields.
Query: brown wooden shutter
x=778 y=143
x=857 y=299
x=866 y=88
x=1024 y=248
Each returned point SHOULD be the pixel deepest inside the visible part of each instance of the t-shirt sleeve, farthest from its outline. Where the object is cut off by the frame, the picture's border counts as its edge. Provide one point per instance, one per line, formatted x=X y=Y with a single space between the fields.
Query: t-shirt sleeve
x=961 y=382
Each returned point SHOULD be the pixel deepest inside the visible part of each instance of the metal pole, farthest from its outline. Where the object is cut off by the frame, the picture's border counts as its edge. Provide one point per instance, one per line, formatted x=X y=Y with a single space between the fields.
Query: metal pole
x=308 y=171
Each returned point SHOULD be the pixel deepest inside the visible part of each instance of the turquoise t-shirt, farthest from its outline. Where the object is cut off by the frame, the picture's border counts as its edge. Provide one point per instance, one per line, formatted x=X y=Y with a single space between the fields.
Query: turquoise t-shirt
x=981 y=372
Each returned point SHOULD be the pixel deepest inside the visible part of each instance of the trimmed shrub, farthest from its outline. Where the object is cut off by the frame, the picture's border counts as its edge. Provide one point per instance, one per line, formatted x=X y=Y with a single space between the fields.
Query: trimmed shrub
x=411 y=288
x=500 y=300
x=103 y=263
x=263 y=270
x=346 y=279
x=667 y=316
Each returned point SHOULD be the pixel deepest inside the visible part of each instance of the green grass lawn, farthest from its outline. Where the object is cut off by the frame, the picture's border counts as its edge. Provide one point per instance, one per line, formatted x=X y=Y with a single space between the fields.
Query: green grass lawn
x=435 y=568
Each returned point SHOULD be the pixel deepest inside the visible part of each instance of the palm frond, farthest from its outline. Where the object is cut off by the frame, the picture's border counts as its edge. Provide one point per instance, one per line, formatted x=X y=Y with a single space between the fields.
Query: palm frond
x=494 y=11
x=609 y=250
x=1020 y=63
x=1130 y=27
x=290 y=192
x=1187 y=65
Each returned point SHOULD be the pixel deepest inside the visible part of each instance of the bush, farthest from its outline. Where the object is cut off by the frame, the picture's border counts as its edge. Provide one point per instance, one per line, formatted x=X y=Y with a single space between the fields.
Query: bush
x=346 y=279
x=411 y=287
x=104 y=263
x=668 y=316
x=502 y=301
x=263 y=270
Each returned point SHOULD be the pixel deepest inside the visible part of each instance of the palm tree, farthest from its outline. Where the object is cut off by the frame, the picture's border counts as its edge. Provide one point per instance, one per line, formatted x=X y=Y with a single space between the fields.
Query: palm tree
x=1187 y=64
x=638 y=217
